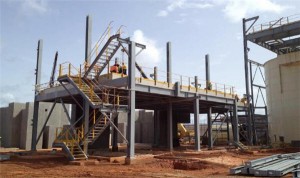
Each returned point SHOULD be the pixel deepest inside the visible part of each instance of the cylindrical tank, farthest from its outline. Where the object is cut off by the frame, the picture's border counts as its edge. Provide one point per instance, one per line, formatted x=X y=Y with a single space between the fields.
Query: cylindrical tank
x=283 y=97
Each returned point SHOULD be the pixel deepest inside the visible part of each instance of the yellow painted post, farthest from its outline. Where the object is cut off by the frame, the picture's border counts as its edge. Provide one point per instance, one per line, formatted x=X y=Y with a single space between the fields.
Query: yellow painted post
x=60 y=70
x=118 y=100
x=94 y=122
x=69 y=72
x=72 y=147
x=82 y=131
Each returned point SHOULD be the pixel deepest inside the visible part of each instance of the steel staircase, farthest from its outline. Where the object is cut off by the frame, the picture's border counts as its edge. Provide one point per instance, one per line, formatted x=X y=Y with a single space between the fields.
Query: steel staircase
x=70 y=145
x=87 y=90
x=102 y=59
x=97 y=129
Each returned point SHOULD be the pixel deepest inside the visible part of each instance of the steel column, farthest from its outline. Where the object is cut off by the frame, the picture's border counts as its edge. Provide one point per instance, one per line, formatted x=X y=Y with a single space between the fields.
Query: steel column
x=235 y=123
x=246 y=61
x=169 y=64
x=196 y=124
x=170 y=126
x=131 y=102
x=209 y=128
x=86 y=125
x=207 y=70
x=36 y=103
x=115 y=135
x=88 y=39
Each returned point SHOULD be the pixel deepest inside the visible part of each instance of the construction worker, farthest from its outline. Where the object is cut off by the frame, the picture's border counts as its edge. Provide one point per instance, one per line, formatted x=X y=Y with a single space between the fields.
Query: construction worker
x=123 y=68
x=115 y=67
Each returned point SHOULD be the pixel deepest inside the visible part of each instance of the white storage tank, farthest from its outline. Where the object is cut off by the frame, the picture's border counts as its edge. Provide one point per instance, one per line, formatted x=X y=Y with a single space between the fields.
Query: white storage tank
x=283 y=97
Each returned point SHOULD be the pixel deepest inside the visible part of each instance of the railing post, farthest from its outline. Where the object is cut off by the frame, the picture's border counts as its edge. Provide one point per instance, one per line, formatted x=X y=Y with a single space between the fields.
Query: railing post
x=60 y=70
x=224 y=90
x=189 y=80
x=180 y=81
x=118 y=100
x=94 y=121
x=155 y=75
x=69 y=72
x=196 y=83
x=216 y=88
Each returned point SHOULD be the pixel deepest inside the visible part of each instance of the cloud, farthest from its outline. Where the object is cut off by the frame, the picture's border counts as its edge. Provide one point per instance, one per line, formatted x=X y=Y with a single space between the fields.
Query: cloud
x=39 y=6
x=6 y=98
x=235 y=10
x=152 y=54
x=183 y=4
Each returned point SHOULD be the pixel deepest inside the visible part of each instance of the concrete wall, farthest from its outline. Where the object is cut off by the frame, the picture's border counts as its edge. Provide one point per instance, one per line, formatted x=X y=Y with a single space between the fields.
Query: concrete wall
x=16 y=124
x=283 y=96
x=144 y=127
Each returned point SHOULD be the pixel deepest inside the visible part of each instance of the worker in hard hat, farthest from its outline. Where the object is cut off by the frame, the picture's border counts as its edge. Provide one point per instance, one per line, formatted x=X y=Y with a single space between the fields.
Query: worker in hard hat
x=115 y=67
x=123 y=69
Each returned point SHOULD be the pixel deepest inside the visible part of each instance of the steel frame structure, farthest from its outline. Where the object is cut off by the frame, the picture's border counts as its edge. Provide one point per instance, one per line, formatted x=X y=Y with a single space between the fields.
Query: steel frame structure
x=140 y=96
x=281 y=36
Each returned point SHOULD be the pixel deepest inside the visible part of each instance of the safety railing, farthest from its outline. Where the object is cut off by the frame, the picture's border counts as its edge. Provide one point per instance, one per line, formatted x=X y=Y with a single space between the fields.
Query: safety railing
x=275 y=23
x=158 y=78
x=98 y=46
x=68 y=69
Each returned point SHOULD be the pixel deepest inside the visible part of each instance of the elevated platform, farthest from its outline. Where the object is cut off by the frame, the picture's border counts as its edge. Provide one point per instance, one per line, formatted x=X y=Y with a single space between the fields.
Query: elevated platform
x=151 y=94
x=280 y=36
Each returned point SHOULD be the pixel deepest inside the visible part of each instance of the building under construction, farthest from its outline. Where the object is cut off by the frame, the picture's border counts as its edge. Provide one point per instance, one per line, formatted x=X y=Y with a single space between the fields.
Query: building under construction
x=98 y=95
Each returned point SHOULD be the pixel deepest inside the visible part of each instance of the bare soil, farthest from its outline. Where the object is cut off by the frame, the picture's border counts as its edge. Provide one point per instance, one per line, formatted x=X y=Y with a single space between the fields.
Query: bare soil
x=148 y=163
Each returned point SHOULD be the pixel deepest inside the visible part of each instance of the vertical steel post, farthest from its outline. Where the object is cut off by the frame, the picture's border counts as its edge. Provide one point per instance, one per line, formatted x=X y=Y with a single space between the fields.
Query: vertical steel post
x=209 y=128
x=227 y=125
x=36 y=103
x=235 y=123
x=155 y=75
x=246 y=64
x=196 y=83
x=170 y=126
x=252 y=107
x=169 y=64
x=115 y=135
x=207 y=70
x=131 y=103
x=88 y=39
x=196 y=123
x=86 y=125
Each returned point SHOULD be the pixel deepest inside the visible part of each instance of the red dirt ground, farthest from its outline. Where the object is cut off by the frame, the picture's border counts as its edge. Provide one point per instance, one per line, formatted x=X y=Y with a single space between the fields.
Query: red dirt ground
x=148 y=163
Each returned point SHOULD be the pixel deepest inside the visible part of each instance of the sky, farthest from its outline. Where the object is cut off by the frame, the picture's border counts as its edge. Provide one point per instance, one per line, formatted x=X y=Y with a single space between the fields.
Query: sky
x=194 y=28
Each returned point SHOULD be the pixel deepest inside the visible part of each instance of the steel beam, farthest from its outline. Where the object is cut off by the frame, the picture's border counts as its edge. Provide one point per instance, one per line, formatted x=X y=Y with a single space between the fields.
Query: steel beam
x=197 y=124
x=51 y=82
x=169 y=64
x=131 y=102
x=36 y=103
x=88 y=39
x=280 y=32
x=209 y=128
